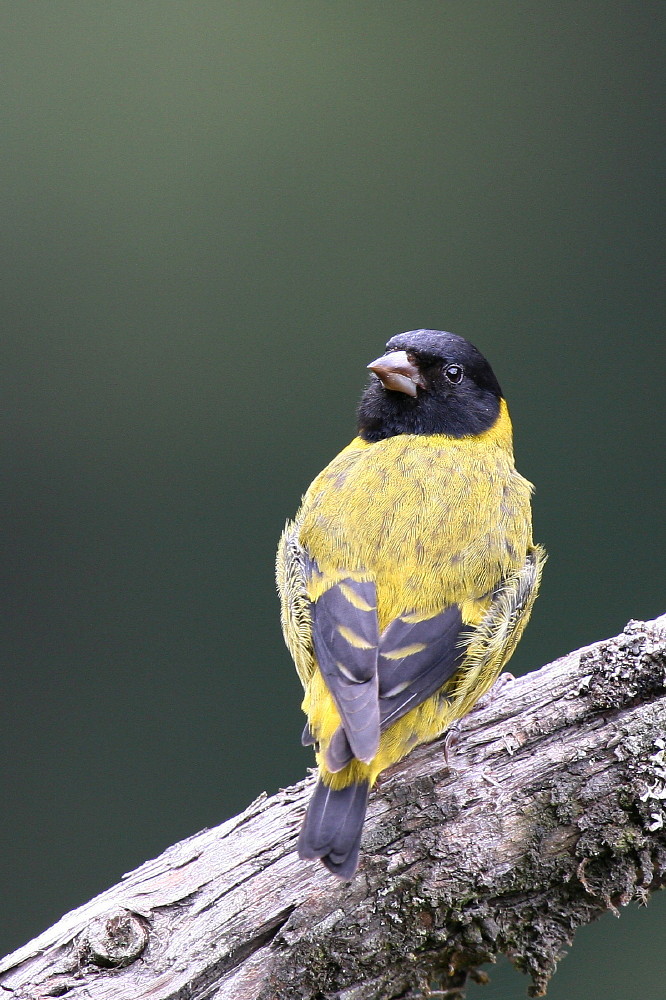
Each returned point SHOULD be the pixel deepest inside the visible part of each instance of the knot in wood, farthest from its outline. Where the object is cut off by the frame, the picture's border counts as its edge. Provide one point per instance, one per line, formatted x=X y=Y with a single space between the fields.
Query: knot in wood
x=114 y=940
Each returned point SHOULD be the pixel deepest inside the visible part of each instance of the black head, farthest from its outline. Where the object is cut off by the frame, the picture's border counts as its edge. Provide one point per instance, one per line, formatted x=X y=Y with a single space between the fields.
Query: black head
x=429 y=382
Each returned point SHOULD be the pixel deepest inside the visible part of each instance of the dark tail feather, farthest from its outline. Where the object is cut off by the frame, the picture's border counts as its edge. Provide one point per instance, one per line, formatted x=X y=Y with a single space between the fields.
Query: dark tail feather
x=333 y=826
x=338 y=751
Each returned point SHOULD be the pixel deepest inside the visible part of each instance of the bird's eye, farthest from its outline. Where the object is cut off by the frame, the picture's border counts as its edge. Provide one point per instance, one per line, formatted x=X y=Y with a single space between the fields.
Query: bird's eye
x=454 y=373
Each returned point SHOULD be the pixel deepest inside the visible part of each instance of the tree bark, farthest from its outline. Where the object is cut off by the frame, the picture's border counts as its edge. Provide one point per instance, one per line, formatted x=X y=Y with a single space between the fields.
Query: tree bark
x=551 y=811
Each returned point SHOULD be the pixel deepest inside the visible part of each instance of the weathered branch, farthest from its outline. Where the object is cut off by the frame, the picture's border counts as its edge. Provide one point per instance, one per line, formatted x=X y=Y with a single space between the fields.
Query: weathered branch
x=554 y=813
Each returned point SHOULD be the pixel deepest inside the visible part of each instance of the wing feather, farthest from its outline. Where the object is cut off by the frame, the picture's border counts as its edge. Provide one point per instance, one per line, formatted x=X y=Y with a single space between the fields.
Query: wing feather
x=415 y=659
x=295 y=606
x=345 y=636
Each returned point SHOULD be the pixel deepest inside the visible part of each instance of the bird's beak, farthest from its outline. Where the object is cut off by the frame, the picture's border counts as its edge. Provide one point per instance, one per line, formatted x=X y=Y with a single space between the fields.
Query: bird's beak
x=396 y=372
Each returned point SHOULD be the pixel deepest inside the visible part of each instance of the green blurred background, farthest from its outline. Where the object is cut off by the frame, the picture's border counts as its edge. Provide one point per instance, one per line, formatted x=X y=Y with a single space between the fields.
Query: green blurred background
x=213 y=216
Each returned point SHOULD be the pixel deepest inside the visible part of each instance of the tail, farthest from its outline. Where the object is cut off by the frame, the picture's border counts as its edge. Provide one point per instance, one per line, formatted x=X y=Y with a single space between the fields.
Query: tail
x=333 y=826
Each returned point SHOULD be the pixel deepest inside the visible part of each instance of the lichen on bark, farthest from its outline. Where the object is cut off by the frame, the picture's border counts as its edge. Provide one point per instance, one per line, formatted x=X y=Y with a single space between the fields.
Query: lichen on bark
x=549 y=814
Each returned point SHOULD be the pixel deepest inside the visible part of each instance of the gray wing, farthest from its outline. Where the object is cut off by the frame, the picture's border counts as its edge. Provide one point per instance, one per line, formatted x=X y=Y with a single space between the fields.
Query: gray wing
x=345 y=637
x=375 y=681
x=415 y=659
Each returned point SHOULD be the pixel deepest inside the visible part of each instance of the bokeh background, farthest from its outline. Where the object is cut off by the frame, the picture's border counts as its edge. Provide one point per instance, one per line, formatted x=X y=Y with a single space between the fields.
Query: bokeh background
x=213 y=217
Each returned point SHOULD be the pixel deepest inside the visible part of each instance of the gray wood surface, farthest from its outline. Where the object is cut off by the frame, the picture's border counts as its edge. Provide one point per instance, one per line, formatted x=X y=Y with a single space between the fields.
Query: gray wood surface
x=551 y=811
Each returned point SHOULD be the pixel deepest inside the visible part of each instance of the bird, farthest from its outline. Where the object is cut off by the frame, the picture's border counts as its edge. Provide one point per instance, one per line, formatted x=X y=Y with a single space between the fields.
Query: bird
x=407 y=576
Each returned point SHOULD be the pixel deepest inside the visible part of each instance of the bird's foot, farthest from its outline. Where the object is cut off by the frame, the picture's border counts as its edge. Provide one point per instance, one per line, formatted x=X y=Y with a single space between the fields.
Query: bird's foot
x=449 y=744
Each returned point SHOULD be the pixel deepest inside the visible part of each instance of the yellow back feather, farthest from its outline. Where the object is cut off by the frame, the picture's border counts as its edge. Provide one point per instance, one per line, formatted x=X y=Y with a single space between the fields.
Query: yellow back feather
x=432 y=520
